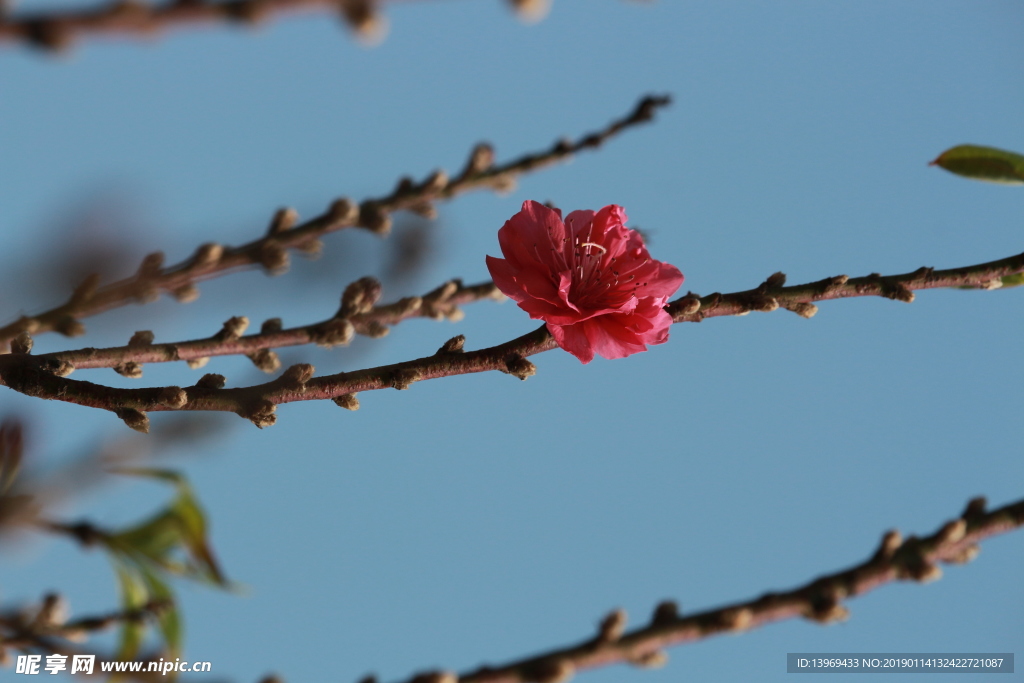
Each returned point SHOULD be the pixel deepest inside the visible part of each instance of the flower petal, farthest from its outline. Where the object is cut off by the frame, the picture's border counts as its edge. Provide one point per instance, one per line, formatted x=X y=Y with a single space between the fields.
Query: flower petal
x=573 y=339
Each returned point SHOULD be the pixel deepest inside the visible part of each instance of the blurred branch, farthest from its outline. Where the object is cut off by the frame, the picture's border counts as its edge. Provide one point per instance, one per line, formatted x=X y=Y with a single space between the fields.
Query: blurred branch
x=820 y=600
x=40 y=376
x=271 y=251
x=57 y=30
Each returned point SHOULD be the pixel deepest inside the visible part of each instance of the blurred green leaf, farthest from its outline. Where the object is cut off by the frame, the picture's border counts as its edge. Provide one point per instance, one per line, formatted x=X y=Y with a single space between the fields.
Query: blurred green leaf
x=169 y=618
x=173 y=541
x=983 y=163
x=133 y=596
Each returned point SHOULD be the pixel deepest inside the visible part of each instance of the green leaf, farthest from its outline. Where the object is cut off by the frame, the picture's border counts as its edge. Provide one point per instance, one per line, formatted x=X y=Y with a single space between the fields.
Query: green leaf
x=169 y=619
x=133 y=596
x=983 y=163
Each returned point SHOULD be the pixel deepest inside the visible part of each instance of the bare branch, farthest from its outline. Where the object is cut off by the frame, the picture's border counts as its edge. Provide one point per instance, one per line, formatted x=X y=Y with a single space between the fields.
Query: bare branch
x=820 y=600
x=40 y=376
x=57 y=30
x=270 y=251
x=371 y=321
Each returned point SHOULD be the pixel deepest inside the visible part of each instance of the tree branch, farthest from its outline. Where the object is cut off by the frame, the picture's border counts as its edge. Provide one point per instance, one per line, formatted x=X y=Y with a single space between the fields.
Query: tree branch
x=820 y=600
x=355 y=317
x=40 y=376
x=57 y=30
x=270 y=251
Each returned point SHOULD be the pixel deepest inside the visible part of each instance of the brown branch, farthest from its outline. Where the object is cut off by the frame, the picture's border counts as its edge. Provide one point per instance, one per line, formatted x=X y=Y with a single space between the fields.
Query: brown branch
x=40 y=377
x=771 y=294
x=359 y=314
x=270 y=251
x=820 y=600
x=25 y=630
x=57 y=30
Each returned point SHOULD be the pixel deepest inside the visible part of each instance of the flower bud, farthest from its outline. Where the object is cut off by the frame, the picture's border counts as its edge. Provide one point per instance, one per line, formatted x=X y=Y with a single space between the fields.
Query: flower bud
x=344 y=211
x=207 y=255
x=196 y=363
x=374 y=218
x=141 y=338
x=69 y=327
x=186 y=294
x=136 y=419
x=271 y=325
x=211 y=381
x=172 y=397
x=403 y=378
x=129 y=369
x=519 y=367
x=274 y=258
x=86 y=290
x=151 y=265
x=284 y=219
x=265 y=359
x=612 y=626
x=296 y=376
x=234 y=328
x=23 y=343
x=666 y=612
x=453 y=345
x=261 y=413
x=360 y=297
x=336 y=332
x=480 y=159
x=347 y=401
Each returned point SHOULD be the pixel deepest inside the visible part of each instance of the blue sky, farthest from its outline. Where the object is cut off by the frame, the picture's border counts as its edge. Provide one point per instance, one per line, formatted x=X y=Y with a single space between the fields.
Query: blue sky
x=478 y=519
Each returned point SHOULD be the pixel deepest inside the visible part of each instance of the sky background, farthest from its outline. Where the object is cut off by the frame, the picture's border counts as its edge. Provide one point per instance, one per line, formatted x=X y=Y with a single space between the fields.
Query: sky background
x=478 y=519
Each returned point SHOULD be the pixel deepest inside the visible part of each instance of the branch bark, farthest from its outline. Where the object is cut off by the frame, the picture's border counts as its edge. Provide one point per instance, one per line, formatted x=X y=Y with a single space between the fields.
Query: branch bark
x=820 y=600
x=270 y=252
x=40 y=376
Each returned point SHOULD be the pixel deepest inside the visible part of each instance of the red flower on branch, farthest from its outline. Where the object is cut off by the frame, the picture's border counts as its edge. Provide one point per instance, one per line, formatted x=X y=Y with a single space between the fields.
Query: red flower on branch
x=590 y=279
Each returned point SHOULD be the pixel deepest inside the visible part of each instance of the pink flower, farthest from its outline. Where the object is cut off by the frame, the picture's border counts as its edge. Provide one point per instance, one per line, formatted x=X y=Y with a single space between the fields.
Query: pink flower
x=589 y=278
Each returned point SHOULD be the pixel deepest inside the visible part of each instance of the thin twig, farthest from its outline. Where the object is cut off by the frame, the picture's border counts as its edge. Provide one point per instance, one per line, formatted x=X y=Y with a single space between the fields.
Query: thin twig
x=270 y=251
x=41 y=378
x=442 y=302
x=820 y=600
x=56 y=30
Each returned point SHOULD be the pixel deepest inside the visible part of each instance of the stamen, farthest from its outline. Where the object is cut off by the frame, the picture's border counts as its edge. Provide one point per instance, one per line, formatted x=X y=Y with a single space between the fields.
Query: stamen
x=595 y=244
